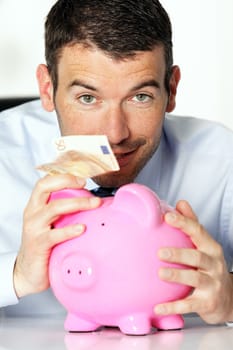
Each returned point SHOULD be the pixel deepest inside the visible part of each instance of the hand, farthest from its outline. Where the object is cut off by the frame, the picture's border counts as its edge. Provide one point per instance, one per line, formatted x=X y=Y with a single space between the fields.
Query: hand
x=38 y=238
x=212 y=296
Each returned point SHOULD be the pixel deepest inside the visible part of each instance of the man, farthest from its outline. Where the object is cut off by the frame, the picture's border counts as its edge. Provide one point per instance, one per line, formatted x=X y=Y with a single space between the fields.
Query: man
x=110 y=71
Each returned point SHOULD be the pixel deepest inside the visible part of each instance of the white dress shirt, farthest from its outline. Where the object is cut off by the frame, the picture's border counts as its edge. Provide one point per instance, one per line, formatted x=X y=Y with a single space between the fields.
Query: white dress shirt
x=194 y=162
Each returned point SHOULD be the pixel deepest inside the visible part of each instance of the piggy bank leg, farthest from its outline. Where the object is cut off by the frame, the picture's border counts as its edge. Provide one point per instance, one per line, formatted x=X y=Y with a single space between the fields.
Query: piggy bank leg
x=168 y=322
x=73 y=323
x=135 y=324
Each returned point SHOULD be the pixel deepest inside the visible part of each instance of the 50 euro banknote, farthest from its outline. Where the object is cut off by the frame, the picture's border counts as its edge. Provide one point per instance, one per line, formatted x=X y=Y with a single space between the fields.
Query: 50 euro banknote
x=81 y=155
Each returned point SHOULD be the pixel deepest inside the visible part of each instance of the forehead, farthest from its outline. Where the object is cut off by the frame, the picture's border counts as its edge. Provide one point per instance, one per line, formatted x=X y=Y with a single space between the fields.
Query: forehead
x=79 y=60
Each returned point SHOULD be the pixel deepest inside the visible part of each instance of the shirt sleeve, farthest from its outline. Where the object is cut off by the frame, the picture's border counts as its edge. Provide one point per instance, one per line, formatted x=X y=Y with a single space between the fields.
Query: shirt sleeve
x=7 y=291
x=230 y=228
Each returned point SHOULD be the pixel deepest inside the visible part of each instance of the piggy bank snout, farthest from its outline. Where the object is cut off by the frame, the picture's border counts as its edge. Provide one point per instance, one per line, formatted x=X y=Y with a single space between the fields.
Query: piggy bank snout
x=78 y=271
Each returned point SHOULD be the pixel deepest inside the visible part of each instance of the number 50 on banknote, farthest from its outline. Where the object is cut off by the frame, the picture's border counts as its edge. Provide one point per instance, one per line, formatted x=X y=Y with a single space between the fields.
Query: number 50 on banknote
x=81 y=155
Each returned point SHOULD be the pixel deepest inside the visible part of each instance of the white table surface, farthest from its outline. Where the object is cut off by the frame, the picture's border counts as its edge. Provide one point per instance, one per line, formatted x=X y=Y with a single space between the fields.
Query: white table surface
x=48 y=333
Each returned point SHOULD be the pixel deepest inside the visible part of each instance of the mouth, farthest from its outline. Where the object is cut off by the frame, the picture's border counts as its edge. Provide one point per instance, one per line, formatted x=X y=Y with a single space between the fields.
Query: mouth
x=125 y=158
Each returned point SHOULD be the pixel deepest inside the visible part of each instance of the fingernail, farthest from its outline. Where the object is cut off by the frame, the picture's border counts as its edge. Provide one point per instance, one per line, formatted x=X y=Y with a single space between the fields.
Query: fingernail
x=165 y=254
x=95 y=200
x=165 y=273
x=171 y=217
x=160 y=309
x=79 y=229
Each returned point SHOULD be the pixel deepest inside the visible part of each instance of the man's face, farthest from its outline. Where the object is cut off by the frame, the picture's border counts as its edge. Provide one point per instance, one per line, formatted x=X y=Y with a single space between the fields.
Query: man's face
x=123 y=99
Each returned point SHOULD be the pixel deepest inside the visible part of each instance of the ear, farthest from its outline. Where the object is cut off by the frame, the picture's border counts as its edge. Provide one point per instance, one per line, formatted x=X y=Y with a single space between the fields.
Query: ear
x=45 y=87
x=139 y=202
x=174 y=81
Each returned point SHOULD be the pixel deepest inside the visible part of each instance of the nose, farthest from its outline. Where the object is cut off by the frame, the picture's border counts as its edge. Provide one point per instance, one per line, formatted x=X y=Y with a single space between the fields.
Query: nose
x=78 y=271
x=117 y=128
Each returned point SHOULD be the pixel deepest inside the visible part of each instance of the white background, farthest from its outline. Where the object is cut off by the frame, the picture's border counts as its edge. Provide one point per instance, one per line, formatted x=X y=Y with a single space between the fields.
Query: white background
x=203 y=48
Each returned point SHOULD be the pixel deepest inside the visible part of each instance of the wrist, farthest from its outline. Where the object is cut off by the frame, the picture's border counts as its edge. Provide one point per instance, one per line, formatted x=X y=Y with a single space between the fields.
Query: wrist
x=18 y=284
x=21 y=285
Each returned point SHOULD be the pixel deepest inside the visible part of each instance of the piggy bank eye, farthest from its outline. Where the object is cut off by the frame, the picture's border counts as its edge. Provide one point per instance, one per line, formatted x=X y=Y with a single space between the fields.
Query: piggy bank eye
x=102 y=223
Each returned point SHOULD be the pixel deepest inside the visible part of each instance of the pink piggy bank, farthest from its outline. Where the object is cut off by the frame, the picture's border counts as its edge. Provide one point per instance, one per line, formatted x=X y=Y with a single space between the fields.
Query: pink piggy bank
x=109 y=275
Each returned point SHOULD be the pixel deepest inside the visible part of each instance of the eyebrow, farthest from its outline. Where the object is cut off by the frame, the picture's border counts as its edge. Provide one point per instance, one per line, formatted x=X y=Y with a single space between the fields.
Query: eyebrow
x=80 y=83
x=150 y=83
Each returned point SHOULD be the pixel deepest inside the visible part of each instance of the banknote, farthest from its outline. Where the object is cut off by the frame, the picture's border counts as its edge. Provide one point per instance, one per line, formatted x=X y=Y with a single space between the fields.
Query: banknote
x=81 y=155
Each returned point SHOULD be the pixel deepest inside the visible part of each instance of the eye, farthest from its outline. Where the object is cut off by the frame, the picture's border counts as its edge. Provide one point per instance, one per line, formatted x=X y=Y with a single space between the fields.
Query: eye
x=87 y=99
x=141 y=98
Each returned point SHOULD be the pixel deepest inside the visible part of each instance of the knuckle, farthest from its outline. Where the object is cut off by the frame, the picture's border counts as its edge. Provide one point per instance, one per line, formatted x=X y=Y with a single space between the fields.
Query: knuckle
x=198 y=279
x=211 y=305
x=174 y=275
x=192 y=307
x=52 y=238
x=40 y=185
x=83 y=202
x=53 y=208
x=89 y=202
x=28 y=226
x=61 y=206
x=199 y=228
x=56 y=236
x=218 y=250
x=218 y=287
x=29 y=211
x=25 y=215
x=198 y=258
x=66 y=232
x=50 y=183
x=220 y=268
x=26 y=229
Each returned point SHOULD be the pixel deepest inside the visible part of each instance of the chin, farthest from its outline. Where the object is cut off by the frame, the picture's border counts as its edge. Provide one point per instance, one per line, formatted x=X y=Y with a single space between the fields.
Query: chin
x=113 y=179
x=125 y=175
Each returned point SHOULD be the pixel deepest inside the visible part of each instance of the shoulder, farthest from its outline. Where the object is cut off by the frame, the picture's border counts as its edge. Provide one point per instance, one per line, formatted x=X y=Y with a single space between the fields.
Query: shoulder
x=198 y=136
x=29 y=113
x=27 y=121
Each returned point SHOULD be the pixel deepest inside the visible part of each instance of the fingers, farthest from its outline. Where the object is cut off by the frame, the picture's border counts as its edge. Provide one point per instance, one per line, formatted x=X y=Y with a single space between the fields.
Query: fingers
x=67 y=206
x=48 y=184
x=42 y=213
x=204 y=269
x=188 y=257
x=56 y=236
x=185 y=209
x=212 y=307
x=189 y=277
x=38 y=238
x=184 y=306
x=190 y=226
x=206 y=260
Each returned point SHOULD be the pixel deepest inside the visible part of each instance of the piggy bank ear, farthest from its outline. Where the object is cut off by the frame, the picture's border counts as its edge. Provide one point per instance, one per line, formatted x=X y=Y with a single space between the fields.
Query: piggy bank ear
x=140 y=202
x=69 y=193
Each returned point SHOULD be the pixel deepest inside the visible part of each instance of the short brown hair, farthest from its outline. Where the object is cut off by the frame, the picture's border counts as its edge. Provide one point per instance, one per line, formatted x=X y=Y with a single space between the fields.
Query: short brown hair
x=119 y=28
